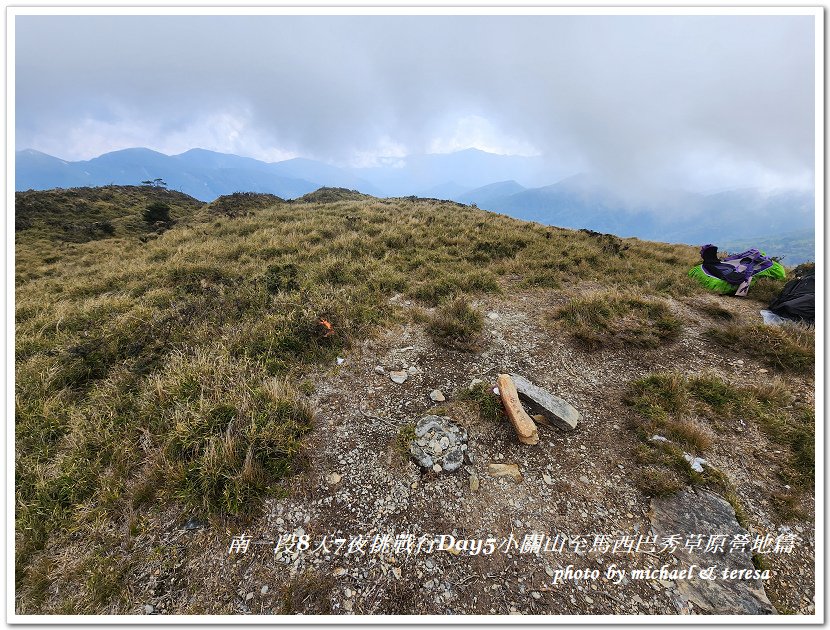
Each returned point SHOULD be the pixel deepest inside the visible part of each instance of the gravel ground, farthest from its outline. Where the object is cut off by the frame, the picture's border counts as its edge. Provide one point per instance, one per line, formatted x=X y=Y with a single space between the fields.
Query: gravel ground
x=573 y=486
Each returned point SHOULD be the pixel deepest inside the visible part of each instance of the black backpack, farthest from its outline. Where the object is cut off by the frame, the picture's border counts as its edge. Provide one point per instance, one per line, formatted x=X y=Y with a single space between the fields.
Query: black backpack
x=797 y=300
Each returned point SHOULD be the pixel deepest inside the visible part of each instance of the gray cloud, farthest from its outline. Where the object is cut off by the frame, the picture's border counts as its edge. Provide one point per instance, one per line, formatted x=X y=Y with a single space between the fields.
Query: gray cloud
x=644 y=102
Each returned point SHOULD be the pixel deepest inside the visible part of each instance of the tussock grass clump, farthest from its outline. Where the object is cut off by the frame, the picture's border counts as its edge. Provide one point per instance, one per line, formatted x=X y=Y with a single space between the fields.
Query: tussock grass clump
x=489 y=405
x=657 y=480
x=681 y=409
x=456 y=325
x=664 y=402
x=612 y=319
x=403 y=439
x=221 y=455
x=656 y=396
x=790 y=347
x=281 y=277
x=329 y=194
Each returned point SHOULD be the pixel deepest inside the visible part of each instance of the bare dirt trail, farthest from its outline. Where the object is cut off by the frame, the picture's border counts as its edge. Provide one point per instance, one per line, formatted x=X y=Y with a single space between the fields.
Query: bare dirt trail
x=574 y=486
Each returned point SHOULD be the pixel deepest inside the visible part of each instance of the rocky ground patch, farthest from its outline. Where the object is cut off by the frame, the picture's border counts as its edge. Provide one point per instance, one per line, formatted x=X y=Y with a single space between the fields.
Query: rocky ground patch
x=352 y=537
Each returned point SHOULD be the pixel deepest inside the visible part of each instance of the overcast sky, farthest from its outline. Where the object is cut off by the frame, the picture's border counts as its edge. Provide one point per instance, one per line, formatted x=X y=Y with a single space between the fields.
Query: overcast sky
x=697 y=102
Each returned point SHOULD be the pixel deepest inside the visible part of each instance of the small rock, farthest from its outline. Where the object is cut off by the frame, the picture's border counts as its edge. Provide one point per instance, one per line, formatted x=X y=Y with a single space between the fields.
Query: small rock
x=493 y=315
x=558 y=412
x=413 y=370
x=398 y=376
x=396 y=571
x=658 y=438
x=340 y=360
x=148 y=609
x=584 y=479
x=535 y=594
x=589 y=600
x=505 y=470
x=436 y=395
x=437 y=468
x=547 y=479
x=334 y=478
x=264 y=589
x=348 y=605
x=379 y=369
x=474 y=483
x=763 y=370
x=444 y=443
x=696 y=463
x=193 y=523
x=453 y=459
x=249 y=596
x=475 y=382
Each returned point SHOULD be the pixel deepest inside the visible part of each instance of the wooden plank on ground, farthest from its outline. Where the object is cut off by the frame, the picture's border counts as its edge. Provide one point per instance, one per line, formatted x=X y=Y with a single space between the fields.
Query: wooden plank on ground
x=524 y=425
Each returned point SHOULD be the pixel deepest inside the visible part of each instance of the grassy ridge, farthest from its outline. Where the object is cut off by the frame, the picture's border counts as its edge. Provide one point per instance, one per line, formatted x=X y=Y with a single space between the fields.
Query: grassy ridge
x=166 y=370
x=78 y=215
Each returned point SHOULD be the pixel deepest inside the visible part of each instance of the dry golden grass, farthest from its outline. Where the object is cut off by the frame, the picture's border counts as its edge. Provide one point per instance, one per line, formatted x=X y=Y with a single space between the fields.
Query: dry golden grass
x=790 y=347
x=158 y=369
x=616 y=319
x=682 y=408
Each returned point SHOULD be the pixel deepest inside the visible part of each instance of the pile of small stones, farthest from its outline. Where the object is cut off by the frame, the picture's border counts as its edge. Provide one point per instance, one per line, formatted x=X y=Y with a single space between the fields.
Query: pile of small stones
x=439 y=444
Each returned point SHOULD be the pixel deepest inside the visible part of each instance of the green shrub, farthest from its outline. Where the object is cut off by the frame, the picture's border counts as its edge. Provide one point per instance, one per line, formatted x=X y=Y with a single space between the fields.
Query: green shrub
x=157 y=212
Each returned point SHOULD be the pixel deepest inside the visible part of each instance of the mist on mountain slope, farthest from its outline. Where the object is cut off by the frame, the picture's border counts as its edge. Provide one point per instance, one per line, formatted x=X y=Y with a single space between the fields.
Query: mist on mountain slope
x=500 y=183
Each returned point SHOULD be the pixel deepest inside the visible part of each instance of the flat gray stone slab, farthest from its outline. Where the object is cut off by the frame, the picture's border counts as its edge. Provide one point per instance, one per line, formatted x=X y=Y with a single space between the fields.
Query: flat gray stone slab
x=703 y=512
x=560 y=413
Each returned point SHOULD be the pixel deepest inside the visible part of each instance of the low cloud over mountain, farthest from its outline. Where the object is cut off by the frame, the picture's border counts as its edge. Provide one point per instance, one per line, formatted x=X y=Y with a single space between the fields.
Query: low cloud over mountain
x=470 y=177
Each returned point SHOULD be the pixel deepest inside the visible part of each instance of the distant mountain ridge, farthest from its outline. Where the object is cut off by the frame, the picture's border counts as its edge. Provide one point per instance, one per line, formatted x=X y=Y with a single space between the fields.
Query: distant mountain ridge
x=492 y=182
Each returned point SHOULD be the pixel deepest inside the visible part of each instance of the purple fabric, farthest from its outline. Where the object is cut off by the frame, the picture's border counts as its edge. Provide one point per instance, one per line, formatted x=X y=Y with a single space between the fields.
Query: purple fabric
x=736 y=269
